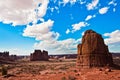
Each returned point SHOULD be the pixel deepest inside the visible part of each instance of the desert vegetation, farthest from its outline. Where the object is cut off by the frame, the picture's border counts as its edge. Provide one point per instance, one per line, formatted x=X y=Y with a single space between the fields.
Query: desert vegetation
x=54 y=70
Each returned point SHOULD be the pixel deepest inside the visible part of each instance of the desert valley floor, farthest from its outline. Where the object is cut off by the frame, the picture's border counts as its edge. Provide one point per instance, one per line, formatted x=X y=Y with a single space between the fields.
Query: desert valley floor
x=56 y=70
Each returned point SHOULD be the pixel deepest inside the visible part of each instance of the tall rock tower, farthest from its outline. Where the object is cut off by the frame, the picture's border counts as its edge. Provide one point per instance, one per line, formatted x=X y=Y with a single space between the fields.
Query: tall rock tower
x=92 y=52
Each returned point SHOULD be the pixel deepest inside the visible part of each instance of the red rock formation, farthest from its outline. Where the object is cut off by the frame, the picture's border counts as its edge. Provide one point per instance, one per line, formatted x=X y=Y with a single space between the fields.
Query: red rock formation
x=38 y=55
x=4 y=56
x=92 y=52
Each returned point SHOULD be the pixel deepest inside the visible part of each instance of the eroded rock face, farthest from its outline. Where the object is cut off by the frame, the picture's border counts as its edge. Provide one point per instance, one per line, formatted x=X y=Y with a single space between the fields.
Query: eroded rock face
x=39 y=55
x=92 y=51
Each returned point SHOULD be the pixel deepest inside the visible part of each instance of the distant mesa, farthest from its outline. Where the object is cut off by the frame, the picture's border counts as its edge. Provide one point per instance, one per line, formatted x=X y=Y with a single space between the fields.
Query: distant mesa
x=39 y=55
x=93 y=52
x=4 y=56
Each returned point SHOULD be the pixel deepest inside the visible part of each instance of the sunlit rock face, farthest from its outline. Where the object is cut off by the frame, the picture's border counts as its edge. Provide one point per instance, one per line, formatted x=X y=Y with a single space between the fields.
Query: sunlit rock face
x=93 y=52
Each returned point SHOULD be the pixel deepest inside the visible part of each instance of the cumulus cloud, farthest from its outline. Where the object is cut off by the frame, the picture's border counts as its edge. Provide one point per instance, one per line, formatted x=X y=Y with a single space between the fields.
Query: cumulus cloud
x=90 y=17
x=103 y=10
x=78 y=26
x=60 y=46
x=48 y=40
x=16 y=51
x=41 y=31
x=22 y=12
x=67 y=31
x=113 y=37
x=92 y=5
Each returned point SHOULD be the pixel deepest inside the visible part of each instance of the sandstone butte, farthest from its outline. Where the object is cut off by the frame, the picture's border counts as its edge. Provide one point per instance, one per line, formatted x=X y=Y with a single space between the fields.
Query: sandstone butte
x=93 y=52
x=39 y=55
x=4 y=56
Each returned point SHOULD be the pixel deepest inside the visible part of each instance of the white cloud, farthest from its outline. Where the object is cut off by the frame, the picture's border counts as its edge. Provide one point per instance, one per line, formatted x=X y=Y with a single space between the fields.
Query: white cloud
x=43 y=7
x=22 y=12
x=41 y=19
x=16 y=51
x=92 y=5
x=48 y=40
x=56 y=7
x=103 y=10
x=72 y=1
x=113 y=37
x=41 y=31
x=90 y=17
x=68 y=1
x=83 y=33
x=78 y=26
x=54 y=1
x=59 y=47
x=52 y=9
x=112 y=2
x=114 y=9
x=67 y=31
x=82 y=2
x=114 y=47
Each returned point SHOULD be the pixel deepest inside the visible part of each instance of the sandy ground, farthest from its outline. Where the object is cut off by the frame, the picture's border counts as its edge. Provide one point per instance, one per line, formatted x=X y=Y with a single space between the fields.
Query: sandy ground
x=56 y=70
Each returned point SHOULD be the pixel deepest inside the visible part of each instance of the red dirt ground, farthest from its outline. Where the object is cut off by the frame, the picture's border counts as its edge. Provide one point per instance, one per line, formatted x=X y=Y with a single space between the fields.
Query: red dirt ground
x=56 y=70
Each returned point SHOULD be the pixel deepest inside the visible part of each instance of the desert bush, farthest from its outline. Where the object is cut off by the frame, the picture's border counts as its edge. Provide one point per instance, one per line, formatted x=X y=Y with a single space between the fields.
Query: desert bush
x=52 y=68
x=72 y=65
x=4 y=70
x=71 y=78
x=42 y=67
x=75 y=70
x=63 y=78
x=64 y=67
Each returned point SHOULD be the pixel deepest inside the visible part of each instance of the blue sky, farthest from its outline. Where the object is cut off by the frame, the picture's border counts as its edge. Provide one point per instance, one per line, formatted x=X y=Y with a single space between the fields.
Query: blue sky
x=56 y=25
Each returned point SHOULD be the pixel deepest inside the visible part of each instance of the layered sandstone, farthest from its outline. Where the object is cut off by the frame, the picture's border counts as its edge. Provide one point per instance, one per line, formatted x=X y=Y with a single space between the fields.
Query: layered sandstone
x=39 y=55
x=93 y=52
